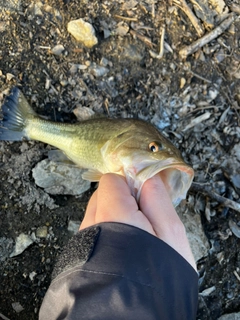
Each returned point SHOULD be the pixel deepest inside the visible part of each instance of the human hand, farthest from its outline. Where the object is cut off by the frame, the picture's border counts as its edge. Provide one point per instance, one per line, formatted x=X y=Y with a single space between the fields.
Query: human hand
x=113 y=202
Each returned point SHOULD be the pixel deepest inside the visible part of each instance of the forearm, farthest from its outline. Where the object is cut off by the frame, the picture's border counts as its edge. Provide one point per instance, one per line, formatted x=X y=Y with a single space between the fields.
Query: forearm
x=116 y=271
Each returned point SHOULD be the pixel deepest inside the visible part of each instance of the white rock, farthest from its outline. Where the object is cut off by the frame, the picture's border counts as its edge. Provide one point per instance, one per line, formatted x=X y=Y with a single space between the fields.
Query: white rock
x=234 y=228
x=57 y=178
x=22 y=242
x=58 y=49
x=17 y=307
x=98 y=71
x=207 y=292
x=83 y=32
x=236 y=151
x=9 y=76
x=230 y=316
x=32 y=275
x=73 y=226
x=122 y=29
x=83 y=113
x=37 y=9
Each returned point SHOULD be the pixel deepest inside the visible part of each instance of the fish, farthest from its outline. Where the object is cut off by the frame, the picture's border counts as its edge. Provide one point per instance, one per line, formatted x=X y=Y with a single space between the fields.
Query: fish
x=130 y=147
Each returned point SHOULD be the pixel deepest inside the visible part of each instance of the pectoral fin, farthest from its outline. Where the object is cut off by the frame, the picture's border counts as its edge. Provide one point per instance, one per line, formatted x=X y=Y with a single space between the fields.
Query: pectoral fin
x=92 y=175
x=59 y=156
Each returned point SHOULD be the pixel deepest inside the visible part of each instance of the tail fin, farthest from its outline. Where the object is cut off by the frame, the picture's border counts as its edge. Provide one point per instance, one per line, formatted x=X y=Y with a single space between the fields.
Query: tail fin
x=15 y=112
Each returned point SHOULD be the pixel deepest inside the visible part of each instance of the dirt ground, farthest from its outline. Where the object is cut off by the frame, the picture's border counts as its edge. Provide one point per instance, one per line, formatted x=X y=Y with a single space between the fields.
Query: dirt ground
x=194 y=101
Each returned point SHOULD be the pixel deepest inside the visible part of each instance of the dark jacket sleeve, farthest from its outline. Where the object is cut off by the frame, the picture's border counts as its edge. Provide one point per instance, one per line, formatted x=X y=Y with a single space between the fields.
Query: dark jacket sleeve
x=117 y=271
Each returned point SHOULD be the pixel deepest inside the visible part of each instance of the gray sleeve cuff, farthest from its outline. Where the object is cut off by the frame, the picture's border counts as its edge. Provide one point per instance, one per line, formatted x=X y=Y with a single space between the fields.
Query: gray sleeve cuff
x=78 y=250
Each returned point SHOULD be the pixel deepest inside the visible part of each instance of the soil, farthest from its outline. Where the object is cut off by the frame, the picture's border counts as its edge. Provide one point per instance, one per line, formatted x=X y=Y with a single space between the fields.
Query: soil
x=170 y=92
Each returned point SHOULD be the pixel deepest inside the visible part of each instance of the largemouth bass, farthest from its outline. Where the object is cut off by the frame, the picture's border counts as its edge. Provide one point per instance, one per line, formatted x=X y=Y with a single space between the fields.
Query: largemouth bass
x=129 y=147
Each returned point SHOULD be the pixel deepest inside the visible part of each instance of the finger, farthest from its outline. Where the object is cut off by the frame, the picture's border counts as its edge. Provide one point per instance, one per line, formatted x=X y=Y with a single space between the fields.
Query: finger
x=116 y=204
x=114 y=199
x=89 y=218
x=156 y=204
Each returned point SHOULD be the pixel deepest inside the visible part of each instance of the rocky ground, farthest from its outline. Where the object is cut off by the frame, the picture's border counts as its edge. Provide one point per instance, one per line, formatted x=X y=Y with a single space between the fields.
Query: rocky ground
x=143 y=62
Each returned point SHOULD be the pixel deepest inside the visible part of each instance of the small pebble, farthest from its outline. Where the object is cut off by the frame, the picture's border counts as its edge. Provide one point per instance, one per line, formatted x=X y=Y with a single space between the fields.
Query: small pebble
x=182 y=82
x=236 y=180
x=104 y=62
x=9 y=76
x=64 y=83
x=58 y=49
x=32 y=275
x=83 y=113
x=99 y=71
x=42 y=232
x=83 y=32
x=122 y=30
x=73 y=226
x=234 y=228
x=17 y=307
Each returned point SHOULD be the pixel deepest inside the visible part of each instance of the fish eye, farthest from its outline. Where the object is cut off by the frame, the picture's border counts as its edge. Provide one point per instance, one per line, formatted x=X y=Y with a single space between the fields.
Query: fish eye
x=154 y=146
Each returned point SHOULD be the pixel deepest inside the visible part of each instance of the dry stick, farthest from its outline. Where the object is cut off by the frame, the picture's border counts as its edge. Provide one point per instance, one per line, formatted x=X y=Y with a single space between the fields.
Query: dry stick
x=125 y=18
x=198 y=76
x=161 y=47
x=185 y=8
x=145 y=39
x=208 y=37
x=236 y=275
x=197 y=187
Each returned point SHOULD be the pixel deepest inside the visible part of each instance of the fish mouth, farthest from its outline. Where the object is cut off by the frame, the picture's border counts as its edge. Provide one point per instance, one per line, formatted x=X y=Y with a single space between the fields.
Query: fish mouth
x=176 y=176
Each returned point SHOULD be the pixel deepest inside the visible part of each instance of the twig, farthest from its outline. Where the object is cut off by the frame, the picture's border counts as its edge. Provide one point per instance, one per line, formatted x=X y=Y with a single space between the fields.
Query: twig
x=236 y=275
x=207 y=190
x=43 y=47
x=153 y=9
x=125 y=18
x=197 y=120
x=185 y=8
x=145 y=39
x=201 y=109
x=161 y=47
x=199 y=77
x=208 y=37
x=3 y=317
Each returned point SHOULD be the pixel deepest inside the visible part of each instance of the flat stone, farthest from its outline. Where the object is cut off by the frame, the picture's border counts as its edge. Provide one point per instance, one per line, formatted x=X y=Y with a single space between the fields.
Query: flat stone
x=58 y=178
x=230 y=316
